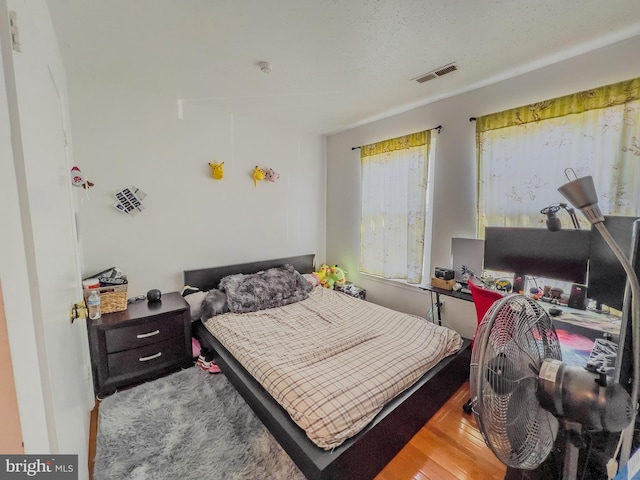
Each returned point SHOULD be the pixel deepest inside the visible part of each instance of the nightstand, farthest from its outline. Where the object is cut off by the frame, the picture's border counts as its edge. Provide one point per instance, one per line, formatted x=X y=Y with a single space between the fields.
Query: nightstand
x=145 y=341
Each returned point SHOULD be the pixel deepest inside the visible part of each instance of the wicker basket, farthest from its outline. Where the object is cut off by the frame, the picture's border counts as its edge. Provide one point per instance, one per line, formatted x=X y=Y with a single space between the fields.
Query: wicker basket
x=112 y=298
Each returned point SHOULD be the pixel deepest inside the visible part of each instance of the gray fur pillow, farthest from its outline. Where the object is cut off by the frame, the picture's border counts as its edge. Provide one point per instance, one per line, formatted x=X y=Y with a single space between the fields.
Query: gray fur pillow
x=274 y=287
x=214 y=304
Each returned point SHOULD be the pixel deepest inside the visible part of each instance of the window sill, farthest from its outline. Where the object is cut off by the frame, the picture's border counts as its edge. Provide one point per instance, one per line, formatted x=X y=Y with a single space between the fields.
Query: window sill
x=414 y=287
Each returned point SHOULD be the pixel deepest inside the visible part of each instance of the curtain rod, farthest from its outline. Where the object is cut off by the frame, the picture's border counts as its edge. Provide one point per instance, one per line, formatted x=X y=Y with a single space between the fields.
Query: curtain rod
x=439 y=127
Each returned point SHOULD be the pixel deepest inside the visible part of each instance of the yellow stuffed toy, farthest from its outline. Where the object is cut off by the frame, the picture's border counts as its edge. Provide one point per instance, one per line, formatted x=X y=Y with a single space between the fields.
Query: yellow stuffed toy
x=321 y=273
x=217 y=170
x=258 y=175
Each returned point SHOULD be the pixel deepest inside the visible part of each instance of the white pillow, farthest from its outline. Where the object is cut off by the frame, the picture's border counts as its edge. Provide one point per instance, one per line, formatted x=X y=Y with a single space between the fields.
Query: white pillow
x=195 y=304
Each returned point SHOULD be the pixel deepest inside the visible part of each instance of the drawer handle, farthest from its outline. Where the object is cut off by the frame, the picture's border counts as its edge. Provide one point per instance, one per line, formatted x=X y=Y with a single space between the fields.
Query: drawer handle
x=150 y=334
x=150 y=357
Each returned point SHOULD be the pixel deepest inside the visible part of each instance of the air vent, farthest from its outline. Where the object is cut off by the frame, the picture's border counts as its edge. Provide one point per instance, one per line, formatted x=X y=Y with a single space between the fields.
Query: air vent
x=445 y=70
x=438 y=72
x=427 y=77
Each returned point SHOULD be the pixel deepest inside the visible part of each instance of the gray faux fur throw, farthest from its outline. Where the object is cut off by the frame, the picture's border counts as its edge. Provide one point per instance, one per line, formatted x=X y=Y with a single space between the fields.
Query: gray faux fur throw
x=213 y=304
x=274 y=287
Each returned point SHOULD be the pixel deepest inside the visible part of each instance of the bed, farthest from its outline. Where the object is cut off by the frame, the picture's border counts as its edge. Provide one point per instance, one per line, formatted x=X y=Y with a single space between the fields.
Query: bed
x=347 y=455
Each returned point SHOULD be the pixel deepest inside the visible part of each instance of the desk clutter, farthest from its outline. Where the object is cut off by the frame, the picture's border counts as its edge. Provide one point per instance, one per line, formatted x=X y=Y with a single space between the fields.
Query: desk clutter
x=352 y=290
x=443 y=278
x=443 y=284
x=111 y=287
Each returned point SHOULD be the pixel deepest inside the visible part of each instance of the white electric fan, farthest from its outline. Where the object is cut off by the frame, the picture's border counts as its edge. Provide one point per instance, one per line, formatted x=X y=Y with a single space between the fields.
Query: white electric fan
x=522 y=392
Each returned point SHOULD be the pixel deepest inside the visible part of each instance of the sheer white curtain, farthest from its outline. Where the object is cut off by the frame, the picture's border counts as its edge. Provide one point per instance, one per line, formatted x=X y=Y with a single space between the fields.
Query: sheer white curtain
x=394 y=199
x=523 y=154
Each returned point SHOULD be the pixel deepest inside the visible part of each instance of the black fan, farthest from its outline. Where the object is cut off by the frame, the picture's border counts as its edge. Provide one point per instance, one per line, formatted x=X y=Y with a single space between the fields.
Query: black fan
x=522 y=392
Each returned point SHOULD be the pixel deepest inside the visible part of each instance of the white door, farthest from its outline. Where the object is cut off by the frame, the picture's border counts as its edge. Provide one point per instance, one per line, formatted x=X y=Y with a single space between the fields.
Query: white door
x=51 y=243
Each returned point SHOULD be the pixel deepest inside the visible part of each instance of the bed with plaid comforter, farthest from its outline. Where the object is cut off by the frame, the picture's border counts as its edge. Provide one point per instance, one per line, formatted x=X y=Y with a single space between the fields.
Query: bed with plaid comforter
x=333 y=361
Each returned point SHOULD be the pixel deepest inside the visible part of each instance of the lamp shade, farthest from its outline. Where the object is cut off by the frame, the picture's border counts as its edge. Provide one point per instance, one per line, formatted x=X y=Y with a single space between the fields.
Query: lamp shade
x=581 y=193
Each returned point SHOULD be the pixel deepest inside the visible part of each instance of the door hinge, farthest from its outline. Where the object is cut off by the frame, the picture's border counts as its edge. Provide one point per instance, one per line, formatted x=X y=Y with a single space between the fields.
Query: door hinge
x=15 y=37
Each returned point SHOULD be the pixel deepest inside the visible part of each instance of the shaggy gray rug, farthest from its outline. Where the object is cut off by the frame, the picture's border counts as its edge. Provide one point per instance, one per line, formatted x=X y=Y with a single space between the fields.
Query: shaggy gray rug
x=188 y=425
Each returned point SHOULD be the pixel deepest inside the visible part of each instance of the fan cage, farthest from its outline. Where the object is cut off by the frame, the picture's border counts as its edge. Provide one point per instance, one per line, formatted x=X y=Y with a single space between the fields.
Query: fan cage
x=511 y=342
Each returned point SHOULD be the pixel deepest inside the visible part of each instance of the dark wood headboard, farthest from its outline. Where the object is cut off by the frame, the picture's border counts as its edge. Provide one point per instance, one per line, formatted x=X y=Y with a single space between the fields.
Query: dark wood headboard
x=208 y=278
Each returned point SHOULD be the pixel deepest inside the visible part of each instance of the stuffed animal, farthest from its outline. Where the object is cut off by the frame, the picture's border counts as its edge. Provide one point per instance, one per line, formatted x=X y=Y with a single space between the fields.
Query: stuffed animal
x=334 y=276
x=258 y=175
x=217 y=170
x=321 y=273
x=271 y=175
x=78 y=180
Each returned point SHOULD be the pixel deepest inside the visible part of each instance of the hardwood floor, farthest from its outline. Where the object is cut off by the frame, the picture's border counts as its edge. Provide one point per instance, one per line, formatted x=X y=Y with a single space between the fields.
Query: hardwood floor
x=448 y=447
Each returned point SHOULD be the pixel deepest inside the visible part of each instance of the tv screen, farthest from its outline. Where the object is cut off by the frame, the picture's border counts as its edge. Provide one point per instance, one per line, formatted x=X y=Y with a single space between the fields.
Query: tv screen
x=538 y=252
x=607 y=279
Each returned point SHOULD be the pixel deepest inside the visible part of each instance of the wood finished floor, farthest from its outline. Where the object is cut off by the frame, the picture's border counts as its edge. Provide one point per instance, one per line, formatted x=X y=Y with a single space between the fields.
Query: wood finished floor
x=448 y=447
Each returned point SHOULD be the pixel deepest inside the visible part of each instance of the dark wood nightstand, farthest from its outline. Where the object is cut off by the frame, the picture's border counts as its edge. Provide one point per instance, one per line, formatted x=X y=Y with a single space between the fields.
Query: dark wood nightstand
x=147 y=340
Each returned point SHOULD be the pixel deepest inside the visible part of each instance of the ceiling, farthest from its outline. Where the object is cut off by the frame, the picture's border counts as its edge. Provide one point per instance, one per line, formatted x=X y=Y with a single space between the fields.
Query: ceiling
x=335 y=64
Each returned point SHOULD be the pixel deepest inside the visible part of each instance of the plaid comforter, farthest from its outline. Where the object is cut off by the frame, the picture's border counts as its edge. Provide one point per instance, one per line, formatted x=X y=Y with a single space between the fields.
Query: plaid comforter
x=333 y=361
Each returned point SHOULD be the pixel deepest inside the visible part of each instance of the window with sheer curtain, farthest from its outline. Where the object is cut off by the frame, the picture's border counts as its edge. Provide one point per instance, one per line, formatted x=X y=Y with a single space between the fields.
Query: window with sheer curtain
x=523 y=154
x=394 y=205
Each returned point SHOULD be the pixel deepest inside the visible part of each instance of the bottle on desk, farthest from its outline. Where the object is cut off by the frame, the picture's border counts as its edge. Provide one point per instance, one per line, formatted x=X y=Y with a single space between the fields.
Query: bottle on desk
x=93 y=304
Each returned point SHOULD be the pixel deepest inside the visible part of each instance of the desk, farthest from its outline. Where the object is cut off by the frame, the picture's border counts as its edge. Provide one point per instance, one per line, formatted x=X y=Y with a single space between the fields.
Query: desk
x=449 y=293
x=585 y=318
x=577 y=329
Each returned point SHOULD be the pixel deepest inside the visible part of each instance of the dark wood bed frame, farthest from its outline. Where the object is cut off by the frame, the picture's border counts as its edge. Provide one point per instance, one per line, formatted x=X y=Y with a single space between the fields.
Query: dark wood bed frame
x=367 y=453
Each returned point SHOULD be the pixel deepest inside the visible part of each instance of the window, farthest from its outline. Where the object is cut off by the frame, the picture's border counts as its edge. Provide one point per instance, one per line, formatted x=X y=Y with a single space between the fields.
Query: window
x=394 y=205
x=523 y=154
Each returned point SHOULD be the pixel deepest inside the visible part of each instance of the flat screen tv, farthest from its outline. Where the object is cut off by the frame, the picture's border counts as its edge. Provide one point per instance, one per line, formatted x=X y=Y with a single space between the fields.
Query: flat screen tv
x=607 y=279
x=561 y=255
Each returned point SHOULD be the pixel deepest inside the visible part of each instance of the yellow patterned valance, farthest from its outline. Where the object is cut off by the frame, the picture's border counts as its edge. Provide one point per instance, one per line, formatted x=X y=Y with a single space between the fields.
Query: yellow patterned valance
x=393 y=144
x=602 y=97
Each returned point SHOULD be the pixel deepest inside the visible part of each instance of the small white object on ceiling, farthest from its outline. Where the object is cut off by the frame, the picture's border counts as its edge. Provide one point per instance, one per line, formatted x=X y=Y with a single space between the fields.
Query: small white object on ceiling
x=265 y=67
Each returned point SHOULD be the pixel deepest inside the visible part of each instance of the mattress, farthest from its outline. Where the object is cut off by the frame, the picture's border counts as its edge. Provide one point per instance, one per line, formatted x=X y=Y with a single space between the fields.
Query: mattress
x=333 y=361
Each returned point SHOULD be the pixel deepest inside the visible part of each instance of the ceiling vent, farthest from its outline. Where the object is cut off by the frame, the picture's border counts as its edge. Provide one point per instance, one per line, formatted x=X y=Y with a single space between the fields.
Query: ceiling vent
x=438 y=72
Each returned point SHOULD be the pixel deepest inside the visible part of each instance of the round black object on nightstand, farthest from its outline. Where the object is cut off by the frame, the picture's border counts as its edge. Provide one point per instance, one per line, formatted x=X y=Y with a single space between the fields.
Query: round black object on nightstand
x=154 y=295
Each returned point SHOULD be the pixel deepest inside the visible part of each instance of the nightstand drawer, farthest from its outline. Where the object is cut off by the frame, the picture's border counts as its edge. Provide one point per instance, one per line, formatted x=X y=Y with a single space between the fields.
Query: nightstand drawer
x=140 y=334
x=147 y=358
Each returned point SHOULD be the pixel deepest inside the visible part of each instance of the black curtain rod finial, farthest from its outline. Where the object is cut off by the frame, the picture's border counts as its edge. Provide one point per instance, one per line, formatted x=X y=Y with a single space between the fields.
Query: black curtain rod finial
x=472 y=119
x=439 y=128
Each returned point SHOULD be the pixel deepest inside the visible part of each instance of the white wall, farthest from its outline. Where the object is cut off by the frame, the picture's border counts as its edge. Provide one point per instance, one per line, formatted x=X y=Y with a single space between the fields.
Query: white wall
x=128 y=137
x=454 y=212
